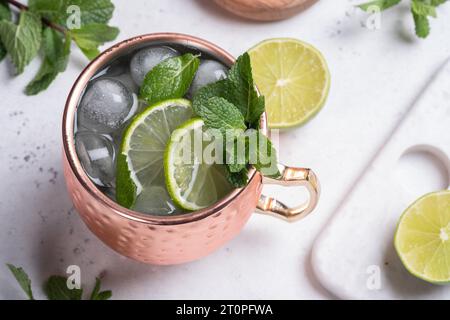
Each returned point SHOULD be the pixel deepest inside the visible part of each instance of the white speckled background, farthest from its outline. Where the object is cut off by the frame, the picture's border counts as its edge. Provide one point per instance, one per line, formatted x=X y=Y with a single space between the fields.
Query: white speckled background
x=376 y=75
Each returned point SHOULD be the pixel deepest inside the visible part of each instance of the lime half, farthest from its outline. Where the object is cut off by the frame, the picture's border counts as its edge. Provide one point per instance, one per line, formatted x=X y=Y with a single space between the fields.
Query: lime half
x=193 y=182
x=422 y=239
x=140 y=163
x=294 y=78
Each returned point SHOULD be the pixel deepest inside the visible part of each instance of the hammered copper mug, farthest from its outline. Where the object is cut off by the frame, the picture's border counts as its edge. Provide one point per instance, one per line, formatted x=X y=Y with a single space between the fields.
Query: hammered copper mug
x=166 y=240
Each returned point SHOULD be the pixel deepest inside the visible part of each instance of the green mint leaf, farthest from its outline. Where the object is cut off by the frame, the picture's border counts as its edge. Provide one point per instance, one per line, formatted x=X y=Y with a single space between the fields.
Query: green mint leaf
x=42 y=79
x=98 y=11
x=91 y=36
x=23 y=280
x=126 y=190
x=2 y=51
x=53 y=10
x=422 y=25
x=56 y=48
x=169 y=79
x=22 y=41
x=100 y=295
x=423 y=9
x=382 y=4
x=236 y=155
x=437 y=3
x=5 y=11
x=56 y=56
x=243 y=91
x=261 y=153
x=218 y=113
x=237 y=179
x=216 y=89
x=56 y=289
x=5 y=14
x=104 y=295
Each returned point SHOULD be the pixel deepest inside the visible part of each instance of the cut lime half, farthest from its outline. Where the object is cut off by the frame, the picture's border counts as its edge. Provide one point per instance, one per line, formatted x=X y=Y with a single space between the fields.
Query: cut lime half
x=192 y=182
x=422 y=239
x=140 y=163
x=294 y=78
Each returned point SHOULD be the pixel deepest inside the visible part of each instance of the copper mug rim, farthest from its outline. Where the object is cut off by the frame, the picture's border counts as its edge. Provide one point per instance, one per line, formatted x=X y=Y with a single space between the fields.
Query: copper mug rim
x=69 y=120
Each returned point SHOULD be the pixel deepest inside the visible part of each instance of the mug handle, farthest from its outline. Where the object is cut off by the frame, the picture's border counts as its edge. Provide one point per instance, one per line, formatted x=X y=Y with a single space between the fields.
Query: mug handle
x=291 y=176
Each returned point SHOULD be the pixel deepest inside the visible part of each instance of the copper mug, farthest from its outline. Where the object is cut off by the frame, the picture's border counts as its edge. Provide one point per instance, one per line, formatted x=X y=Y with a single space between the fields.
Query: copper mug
x=166 y=240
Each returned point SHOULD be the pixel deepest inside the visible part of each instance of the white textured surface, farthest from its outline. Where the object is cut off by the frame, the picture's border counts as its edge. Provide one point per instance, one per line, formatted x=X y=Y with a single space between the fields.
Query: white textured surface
x=376 y=75
x=354 y=256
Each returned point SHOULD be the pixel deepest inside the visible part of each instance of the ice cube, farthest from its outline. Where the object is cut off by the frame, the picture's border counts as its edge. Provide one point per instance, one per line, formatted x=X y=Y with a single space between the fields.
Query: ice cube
x=97 y=156
x=144 y=60
x=155 y=200
x=120 y=70
x=105 y=106
x=208 y=72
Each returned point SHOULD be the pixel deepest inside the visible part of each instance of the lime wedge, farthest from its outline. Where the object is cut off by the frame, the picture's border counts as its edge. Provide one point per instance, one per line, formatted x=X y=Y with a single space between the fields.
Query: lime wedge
x=422 y=239
x=192 y=182
x=140 y=163
x=294 y=78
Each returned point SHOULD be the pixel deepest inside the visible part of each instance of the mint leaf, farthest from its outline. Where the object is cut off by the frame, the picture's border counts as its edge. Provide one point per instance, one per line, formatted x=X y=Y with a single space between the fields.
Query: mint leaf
x=216 y=89
x=23 y=280
x=261 y=153
x=42 y=80
x=126 y=190
x=5 y=14
x=56 y=56
x=381 y=4
x=422 y=26
x=437 y=3
x=22 y=41
x=56 y=48
x=100 y=295
x=236 y=155
x=243 y=91
x=218 y=113
x=2 y=51
x=91 y=36
x=169 y=79
x=237 y=179
x=56 y=289
x=423 y=9
x=53 y=10
x=98 y=11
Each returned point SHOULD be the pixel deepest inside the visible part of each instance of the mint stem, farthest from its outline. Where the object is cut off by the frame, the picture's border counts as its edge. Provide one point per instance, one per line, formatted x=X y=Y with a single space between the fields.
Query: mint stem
x=47 y=22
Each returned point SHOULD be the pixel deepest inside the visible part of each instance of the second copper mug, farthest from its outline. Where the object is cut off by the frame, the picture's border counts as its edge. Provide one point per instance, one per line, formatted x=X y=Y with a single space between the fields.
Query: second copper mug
x=166 y=240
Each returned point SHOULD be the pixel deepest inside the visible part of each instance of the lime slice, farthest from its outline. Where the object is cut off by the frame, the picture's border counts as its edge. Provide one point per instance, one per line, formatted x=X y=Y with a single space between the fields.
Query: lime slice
x=192 y=182
x=294 y=78
x=422 y=239
x=140 y=162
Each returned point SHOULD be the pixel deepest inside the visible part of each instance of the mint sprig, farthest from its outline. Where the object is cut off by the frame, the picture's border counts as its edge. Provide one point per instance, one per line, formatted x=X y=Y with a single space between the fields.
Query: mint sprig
x=234 y=104
x=47 y=26
x=56 y=288
x=421 y=11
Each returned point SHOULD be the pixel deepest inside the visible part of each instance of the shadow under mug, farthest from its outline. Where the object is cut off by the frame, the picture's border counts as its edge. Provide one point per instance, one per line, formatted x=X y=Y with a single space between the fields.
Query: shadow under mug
x=166 y=240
